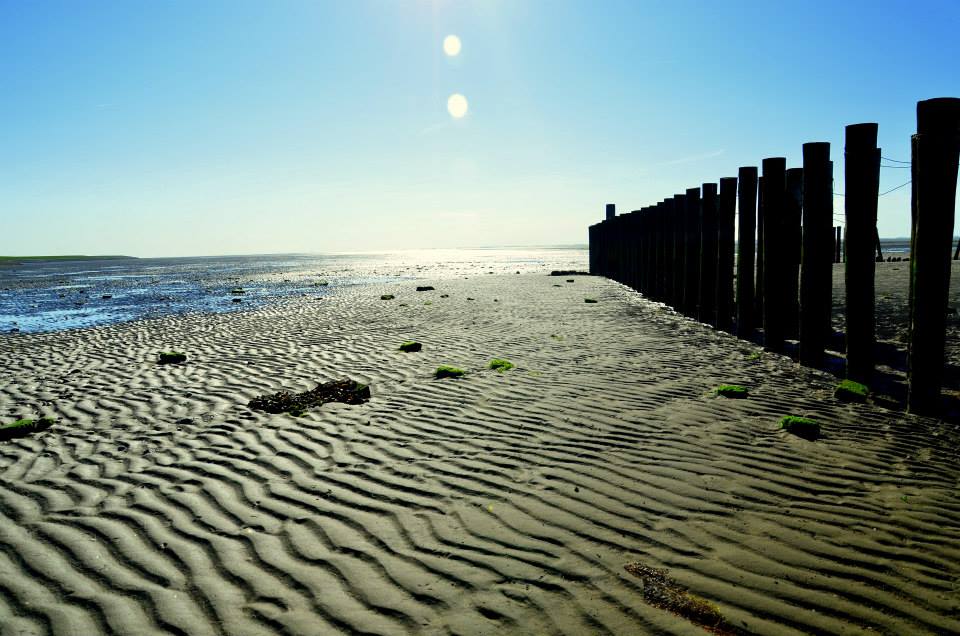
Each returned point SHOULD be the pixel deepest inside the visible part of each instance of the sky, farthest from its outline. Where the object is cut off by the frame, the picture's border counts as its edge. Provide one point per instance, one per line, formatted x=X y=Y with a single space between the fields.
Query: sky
x=173 y=128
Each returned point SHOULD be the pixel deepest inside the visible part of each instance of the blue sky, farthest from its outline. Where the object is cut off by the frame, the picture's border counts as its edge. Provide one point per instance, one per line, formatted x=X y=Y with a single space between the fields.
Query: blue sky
x=176 y=128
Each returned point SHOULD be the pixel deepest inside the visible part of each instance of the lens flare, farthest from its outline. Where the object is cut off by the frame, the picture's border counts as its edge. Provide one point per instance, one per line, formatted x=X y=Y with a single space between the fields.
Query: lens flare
x=451 y=45
x=457 y=105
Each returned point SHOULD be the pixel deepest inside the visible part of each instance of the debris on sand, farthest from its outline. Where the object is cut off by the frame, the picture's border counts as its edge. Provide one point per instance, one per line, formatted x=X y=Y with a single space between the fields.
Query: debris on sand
x=296 y=404
x=171 y=357
x=662 y=592
x=24 y=427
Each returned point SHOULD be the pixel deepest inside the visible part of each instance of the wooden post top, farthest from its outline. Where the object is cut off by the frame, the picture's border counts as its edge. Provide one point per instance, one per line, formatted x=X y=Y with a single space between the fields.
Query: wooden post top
x=861 y=136
x=816 y=151
x=940 y=115
x=774 y=163
x=611 y=210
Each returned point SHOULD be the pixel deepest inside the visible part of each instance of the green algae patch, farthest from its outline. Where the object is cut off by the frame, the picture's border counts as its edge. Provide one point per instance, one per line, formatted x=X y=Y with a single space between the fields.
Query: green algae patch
x=734 y=391
x=662 y=592
x=296 y=404
x=850 y=391
x=171 y=357
x=589 y=300
x=387 y=297
x=801 y=427
x=410 y=346
x=444 y=371
x=501 y=365
x=753 y=357
x=24 y=427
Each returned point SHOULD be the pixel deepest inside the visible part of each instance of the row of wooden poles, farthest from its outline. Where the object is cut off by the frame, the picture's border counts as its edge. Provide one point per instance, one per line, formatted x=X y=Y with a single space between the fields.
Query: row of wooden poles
x=681 y=250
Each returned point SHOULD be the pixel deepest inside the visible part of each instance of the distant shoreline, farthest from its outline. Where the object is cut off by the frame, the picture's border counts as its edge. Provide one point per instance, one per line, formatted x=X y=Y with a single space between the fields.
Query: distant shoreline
x=66 y=257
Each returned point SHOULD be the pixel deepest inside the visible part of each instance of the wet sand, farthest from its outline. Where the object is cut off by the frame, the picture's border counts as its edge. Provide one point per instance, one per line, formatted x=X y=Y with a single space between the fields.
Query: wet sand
x=499 y=503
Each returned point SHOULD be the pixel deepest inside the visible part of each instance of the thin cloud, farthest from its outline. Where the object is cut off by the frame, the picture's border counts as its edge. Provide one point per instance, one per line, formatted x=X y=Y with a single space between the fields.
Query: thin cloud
x=692 y=158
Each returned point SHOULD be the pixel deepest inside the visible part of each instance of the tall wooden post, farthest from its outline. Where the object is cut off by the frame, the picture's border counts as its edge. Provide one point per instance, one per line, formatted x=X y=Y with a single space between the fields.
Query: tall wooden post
x=726 y=220
x=746 y=250
x=633 y=249
x=758 y=315
x=657 y=215
x=862 y=168
x=668 y=211
x=708 y=254
x=838 y=249
x=936 y=149
x=593 y=246
x=792 y=238
x=774 y=320
x=679 y=255
x=643 y=273
x=691 y=288
x=816 y=272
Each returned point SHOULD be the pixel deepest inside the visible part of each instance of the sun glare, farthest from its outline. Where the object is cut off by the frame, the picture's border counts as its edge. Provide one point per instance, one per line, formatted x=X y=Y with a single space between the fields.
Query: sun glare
x=451 y=45
x=457 y=105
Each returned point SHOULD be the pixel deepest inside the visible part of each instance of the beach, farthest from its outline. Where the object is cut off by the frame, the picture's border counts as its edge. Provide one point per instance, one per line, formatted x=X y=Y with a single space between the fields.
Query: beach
x=496 y=503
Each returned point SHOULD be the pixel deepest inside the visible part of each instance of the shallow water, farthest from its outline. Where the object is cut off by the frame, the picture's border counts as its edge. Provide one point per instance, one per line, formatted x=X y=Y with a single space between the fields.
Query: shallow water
x=54 y=295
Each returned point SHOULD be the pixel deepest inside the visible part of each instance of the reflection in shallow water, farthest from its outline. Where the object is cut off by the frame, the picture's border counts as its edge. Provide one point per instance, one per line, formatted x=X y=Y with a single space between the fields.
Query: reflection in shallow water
x=55 y=295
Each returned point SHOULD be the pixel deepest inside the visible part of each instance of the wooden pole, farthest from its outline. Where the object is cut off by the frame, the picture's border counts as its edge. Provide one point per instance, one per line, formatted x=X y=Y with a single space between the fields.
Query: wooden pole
x=758 y=289
x=862 y=168
x=774 y=323
x=644 y=273
x=937 y=150
x=956 y=252
x=592 y=250
x=792 y=238
x=726 y=220
x=658 y=251
x=691 y=287
x=633 y=248
x=838 y=246
x=679 y=244
x=746 y=244
x=668 y=247
x=816 y=279
x=708 y=254
x=876 y=233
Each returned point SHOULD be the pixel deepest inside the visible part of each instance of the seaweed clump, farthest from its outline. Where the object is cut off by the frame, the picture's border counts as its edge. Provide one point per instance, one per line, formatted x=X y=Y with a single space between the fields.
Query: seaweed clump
x=589 y=300
x=296 y=404
x=662 y=592
x=387 y=297
x=24 y=427
x=444 y=371
x=410 y=346
x=501 y=365
x=801 y=427
x=850 y=391
x=171 y=357
x=734 y=391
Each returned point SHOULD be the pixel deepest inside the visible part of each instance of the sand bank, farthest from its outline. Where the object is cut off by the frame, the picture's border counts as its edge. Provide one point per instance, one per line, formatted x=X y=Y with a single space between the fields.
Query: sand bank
x=498 y=503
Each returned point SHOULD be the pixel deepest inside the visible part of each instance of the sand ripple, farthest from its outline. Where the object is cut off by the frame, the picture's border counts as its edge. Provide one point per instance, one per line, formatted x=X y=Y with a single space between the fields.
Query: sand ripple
x=498 y=503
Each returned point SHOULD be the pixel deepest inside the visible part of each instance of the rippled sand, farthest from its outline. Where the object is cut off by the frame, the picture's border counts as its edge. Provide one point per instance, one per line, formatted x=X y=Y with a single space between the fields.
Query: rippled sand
x=499 y=503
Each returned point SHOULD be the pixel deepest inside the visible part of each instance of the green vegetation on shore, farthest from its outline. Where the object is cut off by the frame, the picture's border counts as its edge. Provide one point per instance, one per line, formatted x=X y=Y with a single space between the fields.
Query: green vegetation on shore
x=24 y=427
x=734 y=391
